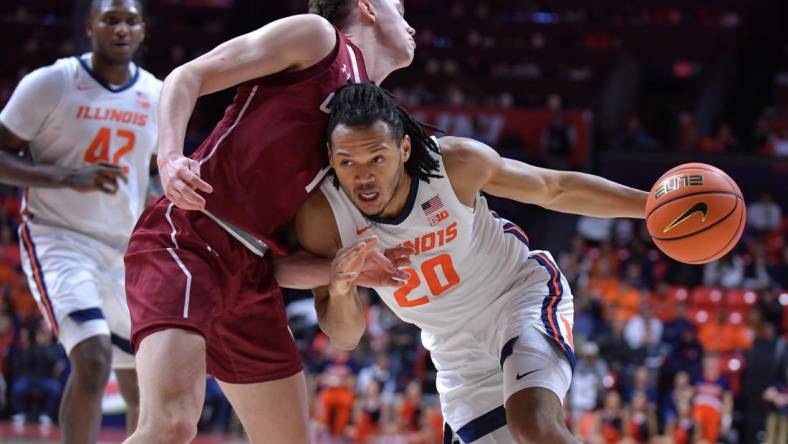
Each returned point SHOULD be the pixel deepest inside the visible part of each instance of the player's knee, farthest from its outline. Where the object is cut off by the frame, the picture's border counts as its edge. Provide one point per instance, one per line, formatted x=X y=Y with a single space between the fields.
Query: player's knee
x=167 y=429
x=92 y=361
x=178 y=429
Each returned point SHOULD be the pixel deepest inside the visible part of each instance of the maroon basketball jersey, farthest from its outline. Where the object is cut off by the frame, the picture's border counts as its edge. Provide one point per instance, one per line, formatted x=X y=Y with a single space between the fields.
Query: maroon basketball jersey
x=268 y=153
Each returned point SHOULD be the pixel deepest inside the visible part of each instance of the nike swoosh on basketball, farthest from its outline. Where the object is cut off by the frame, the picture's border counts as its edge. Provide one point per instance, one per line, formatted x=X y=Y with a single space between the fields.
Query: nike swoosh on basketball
x=699 y=207
x=519 y=376
x=361 y=231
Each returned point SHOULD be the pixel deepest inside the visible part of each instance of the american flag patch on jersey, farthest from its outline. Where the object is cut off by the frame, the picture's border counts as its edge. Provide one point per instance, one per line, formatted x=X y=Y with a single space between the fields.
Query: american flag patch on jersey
x=432 y=206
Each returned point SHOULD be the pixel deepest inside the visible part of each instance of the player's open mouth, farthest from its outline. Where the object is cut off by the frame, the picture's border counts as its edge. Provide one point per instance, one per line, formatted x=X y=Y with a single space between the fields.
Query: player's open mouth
x=368 y=196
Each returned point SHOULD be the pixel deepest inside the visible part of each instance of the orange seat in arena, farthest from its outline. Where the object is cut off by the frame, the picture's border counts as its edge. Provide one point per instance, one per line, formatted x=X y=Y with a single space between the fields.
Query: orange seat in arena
x=679 y=293
x=741 y=298
x=706 y=297
x=701 y=315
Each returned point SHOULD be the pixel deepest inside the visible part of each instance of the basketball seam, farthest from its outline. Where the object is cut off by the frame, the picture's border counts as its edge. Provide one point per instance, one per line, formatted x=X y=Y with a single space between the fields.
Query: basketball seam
x=704 y=229
x=699 y=193
x=703 y=261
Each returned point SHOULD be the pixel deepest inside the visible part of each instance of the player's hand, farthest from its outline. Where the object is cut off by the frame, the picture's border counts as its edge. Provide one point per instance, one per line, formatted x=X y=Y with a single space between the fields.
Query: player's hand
x=354 y=266
x=100 y=176
x=180 y=178
x=385 y=269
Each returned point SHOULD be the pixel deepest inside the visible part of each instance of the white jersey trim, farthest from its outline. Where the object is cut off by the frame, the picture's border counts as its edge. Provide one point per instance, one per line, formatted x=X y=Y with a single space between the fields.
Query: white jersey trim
x=231 y=128
x=354 y=62
x=188 y=291
x=316 y=181
x=168 y=216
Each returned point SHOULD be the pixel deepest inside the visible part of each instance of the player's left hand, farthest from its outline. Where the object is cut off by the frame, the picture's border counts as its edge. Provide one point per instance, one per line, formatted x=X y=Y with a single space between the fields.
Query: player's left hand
x=361 y=264
x=384 y=269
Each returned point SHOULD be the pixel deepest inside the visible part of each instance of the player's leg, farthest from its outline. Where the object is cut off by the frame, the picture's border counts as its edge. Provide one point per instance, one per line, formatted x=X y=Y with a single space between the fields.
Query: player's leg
x=62 y=272
x=537 y=355
x=119 y=320
x=171 y=371
x=257 y=364
x=127 y=382
x=273 y=411
x=80 y=408
x=536 y=379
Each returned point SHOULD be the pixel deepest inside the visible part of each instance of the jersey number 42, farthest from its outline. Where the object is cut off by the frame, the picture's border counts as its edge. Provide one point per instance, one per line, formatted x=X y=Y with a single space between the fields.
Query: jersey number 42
x=98 y=151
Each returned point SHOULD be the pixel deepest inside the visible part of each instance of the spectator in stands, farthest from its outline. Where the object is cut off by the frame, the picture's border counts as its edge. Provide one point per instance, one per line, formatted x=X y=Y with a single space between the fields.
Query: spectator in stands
x=558 y=140
x=779 y=271
x=674 y=330
x=587 y=382
x=756 y=273
x=690 y=139
x=777 y=397
x=765 y=215
x=681 y=392
x=681 y=428
x=713 y=401
x=759 y=374
x=723 y=142
x=643 y=329
x=378 y=372
x=663 y=304
x=611 y=420
x=722 y=336
x=38 y=365
x=369 y=413
x=633 y=137
x=594 y=230
x=7 y=339
x=613 y=346
x=727 y=272
x=780 y=143
x=410 y=407
x=641 y=419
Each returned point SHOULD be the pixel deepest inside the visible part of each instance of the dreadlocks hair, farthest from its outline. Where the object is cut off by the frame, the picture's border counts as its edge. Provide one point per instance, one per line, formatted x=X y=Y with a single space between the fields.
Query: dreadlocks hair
x=335 y=11
x=363 y=104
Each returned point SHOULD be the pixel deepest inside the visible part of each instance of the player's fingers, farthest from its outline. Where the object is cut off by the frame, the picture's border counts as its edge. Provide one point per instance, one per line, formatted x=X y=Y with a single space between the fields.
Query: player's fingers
x=192 y=179
x=114 y=170
x=381 y=261
x=105 y=184
x=186 y=199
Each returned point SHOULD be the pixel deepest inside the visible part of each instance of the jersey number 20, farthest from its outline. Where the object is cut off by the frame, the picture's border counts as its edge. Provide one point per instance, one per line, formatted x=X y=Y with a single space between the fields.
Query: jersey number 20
x=437 y=284
x=98 y=151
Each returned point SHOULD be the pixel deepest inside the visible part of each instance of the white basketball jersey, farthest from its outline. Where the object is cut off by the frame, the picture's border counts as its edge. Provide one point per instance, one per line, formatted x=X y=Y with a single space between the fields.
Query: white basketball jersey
x=90 y=122
x=465 y=259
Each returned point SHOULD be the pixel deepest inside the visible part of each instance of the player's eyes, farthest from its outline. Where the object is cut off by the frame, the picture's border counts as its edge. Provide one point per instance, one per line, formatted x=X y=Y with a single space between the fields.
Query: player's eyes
x=377 y=159
x=346 y=163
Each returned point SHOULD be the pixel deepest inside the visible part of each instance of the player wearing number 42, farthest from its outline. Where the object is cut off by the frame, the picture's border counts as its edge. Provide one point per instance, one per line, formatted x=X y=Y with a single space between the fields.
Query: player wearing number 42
x=87 y=128
x=495 y=315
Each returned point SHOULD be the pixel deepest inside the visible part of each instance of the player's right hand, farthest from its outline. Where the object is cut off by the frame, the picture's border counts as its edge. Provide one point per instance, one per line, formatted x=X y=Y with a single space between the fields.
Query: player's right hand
x=100 y=176
x=180 y=178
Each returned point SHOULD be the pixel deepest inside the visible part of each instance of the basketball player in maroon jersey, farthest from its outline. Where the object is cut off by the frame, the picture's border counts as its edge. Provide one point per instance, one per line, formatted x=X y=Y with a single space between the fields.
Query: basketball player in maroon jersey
x=200 y=277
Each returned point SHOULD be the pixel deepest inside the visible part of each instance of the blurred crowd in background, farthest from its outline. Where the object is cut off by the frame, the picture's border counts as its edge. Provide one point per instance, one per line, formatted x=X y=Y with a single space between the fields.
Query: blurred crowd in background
x=666 y=352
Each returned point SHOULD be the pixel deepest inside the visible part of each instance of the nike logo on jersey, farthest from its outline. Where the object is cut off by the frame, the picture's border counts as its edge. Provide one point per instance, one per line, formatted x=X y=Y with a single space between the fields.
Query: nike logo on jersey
x=83 y=87
x=699 y=207
x=361 y=231
x=519 y=376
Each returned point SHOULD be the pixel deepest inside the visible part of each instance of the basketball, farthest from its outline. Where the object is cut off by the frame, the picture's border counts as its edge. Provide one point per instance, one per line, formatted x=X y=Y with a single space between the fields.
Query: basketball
x=695 y=213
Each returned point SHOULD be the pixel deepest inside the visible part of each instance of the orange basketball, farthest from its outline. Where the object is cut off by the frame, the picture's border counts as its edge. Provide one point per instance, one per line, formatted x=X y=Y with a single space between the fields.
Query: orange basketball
x=695 y=213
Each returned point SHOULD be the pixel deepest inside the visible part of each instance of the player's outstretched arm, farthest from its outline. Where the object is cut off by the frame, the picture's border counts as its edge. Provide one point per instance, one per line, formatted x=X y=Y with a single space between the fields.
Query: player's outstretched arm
x=293 y=43
x=20 y=171
x=473 y=166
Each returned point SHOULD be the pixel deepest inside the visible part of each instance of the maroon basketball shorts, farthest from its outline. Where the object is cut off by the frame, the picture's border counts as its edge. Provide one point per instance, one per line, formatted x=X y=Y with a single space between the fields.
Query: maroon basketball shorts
x=184 y=271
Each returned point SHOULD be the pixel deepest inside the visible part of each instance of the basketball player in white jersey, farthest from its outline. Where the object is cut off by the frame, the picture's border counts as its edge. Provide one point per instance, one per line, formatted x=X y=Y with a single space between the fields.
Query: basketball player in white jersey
x=87 y=127
x=495 y=315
